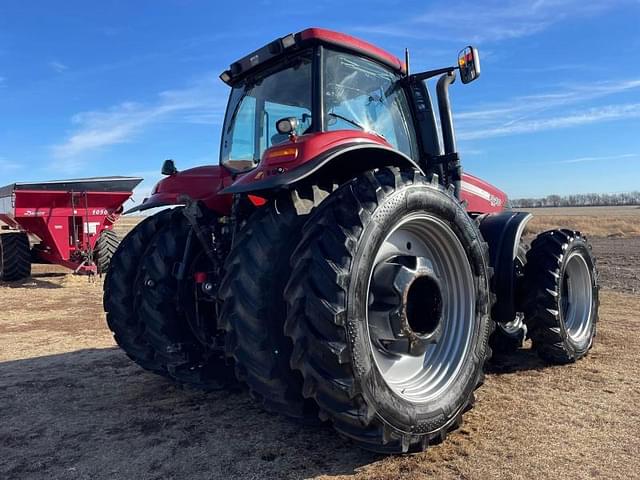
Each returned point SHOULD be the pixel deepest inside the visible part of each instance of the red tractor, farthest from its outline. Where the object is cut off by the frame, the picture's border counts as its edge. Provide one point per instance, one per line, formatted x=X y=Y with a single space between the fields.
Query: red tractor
x=338 y=261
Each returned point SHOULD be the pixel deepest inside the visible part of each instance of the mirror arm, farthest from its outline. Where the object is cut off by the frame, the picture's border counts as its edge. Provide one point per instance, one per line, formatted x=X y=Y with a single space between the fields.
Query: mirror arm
x=431 y=73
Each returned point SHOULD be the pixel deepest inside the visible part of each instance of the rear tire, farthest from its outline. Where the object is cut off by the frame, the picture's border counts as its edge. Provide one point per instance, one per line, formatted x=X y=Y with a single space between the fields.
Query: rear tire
x=561 y=304
x=121 y=293
x=164 y=313
x=254 y=310
x=332 y=311
x=15 y=256
x=105 y=249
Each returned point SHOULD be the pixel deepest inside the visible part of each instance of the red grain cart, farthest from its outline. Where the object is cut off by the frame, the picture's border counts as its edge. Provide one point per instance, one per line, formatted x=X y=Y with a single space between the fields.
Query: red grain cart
x=65 y=222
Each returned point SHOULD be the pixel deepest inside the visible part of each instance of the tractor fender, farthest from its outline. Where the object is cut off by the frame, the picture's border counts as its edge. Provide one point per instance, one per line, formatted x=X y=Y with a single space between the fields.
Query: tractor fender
x=353 y=158
x=502 y=231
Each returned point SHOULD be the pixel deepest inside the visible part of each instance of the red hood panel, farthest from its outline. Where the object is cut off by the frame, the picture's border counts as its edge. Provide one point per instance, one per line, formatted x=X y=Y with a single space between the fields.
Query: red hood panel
x=482 y=197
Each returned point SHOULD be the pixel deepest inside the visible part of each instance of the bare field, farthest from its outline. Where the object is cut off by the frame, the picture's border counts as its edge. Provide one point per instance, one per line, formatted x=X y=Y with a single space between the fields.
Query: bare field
x=74 y=407
x=592 y=221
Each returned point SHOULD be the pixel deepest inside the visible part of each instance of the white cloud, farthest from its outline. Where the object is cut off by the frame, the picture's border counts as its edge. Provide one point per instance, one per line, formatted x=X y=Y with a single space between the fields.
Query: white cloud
x=123 y=122
x=58 y=67
x=587 y=116
x=491 y=21
x=543 y=111
x=562 y=96
x=623 y=156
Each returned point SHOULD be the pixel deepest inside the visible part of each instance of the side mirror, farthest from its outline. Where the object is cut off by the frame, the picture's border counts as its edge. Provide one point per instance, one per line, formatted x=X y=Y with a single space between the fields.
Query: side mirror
x=168 y=168
x=287 y=125
x=469 y=64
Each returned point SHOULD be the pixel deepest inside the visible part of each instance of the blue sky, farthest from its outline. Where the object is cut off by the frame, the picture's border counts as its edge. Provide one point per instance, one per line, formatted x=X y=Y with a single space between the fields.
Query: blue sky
x=115 y=87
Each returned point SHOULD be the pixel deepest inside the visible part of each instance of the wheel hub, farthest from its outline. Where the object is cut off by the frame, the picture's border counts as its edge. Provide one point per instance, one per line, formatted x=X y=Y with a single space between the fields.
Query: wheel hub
x=411 y=292
x=421 y=307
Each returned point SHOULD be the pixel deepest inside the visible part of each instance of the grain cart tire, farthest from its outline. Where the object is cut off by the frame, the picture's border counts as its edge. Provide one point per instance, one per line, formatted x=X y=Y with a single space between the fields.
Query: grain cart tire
x=168 y=329
x=15 y=256
x=122 y=293
x=106 y=247
x=388 y=309
x=561 y=304
x=508 y=337
x=254 y=310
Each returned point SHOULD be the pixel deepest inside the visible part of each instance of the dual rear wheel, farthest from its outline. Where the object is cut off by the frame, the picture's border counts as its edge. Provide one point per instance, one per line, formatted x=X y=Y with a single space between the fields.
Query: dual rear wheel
x=149 y=313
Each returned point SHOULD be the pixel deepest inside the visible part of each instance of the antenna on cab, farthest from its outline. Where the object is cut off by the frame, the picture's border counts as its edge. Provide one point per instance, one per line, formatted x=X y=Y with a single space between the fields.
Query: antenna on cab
x=406 y=60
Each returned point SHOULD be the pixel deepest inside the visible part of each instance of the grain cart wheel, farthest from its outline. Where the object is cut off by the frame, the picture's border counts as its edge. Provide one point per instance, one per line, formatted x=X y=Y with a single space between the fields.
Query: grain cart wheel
x=254 y=310
x=508 y=337
x=121 y=293
x=167 y=313
x=388 y=308
x=15 y=256
x=561 y=304
x=106 y=247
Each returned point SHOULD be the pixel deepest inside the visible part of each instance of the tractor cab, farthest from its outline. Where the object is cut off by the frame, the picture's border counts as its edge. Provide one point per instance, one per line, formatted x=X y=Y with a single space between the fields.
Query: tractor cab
x=289 y=95
x=313 y=86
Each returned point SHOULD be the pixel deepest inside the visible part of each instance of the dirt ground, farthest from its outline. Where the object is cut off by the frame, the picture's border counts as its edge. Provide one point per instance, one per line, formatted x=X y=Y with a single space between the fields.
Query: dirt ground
x=72 y=406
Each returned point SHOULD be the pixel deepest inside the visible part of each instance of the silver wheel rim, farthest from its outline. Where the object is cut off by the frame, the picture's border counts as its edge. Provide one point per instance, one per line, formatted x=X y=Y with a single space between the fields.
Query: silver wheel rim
x=577 y=297
x=441 y=269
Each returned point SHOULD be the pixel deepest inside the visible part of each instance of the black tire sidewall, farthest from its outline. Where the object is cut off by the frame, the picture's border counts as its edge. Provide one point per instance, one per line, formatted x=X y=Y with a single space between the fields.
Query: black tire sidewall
x=400 y=413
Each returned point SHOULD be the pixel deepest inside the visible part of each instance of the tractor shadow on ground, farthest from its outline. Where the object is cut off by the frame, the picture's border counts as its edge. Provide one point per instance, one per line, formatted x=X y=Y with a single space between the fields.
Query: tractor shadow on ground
x=96 y=413
x=522 y=360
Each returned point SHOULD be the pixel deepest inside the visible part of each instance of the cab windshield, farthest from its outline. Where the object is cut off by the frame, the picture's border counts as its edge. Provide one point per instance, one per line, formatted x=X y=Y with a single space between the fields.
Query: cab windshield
x=258 y=103
x=362 y=95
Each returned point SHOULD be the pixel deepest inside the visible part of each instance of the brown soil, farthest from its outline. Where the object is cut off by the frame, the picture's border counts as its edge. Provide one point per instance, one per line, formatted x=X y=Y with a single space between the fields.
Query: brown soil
x=73 y=406
x=592 y=221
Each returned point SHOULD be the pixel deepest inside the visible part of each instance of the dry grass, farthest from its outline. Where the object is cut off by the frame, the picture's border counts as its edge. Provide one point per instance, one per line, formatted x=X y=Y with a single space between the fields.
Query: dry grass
x=592 y=221
x=73 y=406
x=124 y=224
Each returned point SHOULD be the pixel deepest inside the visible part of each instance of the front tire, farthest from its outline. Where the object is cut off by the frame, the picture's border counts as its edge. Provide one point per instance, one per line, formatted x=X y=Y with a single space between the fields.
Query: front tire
x=15 y=256
x=561 y=288
x=362 y=346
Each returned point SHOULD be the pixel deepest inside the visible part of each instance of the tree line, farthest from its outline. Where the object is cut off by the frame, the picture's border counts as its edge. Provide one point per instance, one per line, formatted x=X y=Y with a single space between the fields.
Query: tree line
x=579 y=200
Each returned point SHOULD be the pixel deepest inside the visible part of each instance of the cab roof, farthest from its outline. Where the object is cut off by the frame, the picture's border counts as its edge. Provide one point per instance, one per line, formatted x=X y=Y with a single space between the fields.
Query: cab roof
x=305 y=38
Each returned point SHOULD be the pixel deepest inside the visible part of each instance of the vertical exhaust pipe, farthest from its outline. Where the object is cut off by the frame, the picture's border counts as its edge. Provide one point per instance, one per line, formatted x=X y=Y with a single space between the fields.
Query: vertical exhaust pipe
x=448 y=133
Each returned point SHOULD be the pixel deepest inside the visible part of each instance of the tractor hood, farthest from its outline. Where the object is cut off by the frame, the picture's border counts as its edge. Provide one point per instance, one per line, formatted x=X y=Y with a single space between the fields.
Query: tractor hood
x=481 y=196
